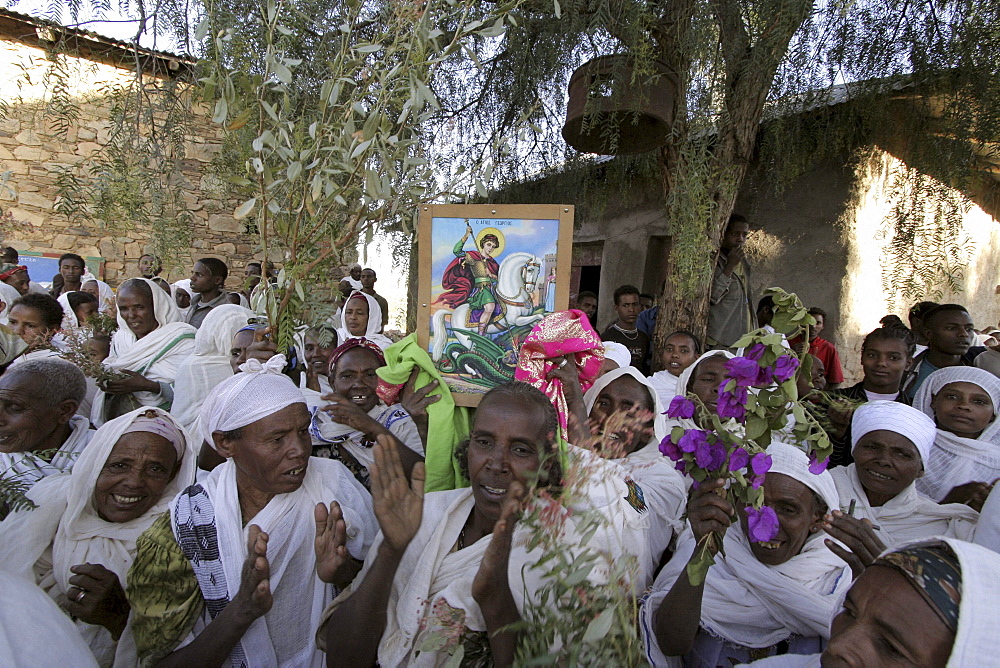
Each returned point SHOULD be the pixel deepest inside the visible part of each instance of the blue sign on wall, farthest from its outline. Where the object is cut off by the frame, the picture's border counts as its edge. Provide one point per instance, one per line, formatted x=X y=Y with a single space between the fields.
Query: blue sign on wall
x=43 y=266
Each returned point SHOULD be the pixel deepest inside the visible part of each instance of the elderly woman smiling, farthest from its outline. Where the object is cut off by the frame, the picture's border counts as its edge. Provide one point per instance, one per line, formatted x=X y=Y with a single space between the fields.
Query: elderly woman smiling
x=80 y=541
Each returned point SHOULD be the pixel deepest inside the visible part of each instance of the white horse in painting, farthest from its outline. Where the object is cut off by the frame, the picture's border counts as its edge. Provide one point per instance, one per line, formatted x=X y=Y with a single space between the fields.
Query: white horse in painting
x=516 y=281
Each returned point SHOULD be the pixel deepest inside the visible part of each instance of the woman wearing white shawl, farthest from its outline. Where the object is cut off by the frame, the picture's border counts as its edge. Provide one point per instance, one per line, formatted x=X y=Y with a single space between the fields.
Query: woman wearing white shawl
x=957 y=460
x=67 y=530
x=8 y=295
x=186 y=586
x=749 y=608
x=208 y=365
x=357 y=324
x=150 y=342
x=702 y=380
x=941 y=611
x=422 y=574
x=177 y=287
x=105 y=295
x=664 y=489
x=893 y=440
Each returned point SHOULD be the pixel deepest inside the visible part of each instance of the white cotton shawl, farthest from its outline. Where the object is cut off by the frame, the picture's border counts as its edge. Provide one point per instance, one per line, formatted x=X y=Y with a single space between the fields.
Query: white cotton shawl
x=8 y=295
x=28 y=468
x=69 y=320
x=955 y=460
x=105 y=295
x=908 y=516
x=34 y=631
x=183 y=284
x=324 y=430
x=988 y=529
x=155 y=355
x=208 y=365
x=754 y=605
x=617 y=353
x=286 y=634
x=65 y=529
x=664 y=488
x=374 y=323
x=665 y=384
x=430 y=570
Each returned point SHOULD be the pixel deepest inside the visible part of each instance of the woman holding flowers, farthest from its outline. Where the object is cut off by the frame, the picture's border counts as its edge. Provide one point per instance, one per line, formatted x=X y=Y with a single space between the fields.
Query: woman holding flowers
x=776 y=590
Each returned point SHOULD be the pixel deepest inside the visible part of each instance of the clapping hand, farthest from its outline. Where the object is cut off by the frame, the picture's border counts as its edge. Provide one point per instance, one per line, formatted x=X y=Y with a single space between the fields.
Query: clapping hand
x=254 y=598
x=399 y=503
x=863 y=545
x=332 y=560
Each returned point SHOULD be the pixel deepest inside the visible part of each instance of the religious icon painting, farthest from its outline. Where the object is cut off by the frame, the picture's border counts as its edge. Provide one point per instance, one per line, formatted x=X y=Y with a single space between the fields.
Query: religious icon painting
x=488 y=274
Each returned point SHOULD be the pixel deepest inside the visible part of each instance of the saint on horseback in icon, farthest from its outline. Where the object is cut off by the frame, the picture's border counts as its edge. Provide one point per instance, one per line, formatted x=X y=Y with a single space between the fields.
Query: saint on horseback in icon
x=471 y=278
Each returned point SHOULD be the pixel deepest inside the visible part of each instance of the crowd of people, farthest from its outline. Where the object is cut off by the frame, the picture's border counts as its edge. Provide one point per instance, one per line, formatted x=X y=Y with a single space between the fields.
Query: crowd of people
x=176 y=490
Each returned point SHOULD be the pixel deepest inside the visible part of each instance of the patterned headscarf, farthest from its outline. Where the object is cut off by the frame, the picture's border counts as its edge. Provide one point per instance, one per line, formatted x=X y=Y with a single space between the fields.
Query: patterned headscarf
x=349 y=344
x=11 y=269
x=934 y=571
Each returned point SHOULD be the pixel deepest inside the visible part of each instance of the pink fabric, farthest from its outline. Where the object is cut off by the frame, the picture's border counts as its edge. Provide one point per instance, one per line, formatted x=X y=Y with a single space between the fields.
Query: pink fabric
x=565 y=333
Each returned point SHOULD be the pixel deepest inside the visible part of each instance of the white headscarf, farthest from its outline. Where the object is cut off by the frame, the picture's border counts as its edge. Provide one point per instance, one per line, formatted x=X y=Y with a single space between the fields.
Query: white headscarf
x=374 y=323
x=664 y=488
x=183 y=284
x=105 y=295
x=208 y=365
x=659 y=422
x=617 y=353
x=261 y=390
x=749 y=603
x=69 y=320
x=156 y=355
x=895 y=417
x=66 y=518
x=8 y=295
x=955 y=460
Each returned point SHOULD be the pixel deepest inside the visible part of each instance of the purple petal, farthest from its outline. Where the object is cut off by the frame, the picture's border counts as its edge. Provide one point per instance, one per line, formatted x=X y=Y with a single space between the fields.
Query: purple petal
x=762 y=525
x=815 y=466
x=681 y=407
x=742 y=370
x=738 y=459
x=761 y=463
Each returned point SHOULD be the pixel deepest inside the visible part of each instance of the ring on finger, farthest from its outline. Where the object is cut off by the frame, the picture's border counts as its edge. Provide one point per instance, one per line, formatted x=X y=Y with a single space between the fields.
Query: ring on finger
x=562 y=364
x=79 y=596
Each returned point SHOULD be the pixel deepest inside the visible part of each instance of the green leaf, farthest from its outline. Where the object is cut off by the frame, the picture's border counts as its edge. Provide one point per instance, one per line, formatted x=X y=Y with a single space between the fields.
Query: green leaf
x=283 y=73
x=243 y=210
x=557 y=9
x=294 y=170
x=201 y=30
x=221 y=111
x=599 y=626
x=579 y=575
x=368 y=48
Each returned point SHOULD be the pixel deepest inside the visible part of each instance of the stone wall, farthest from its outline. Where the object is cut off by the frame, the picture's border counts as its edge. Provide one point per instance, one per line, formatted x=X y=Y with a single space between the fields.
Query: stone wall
x=33 y=155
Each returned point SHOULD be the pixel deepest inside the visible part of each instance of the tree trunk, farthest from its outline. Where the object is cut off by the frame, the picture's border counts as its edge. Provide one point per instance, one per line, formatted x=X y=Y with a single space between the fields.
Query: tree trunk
x=750 y=70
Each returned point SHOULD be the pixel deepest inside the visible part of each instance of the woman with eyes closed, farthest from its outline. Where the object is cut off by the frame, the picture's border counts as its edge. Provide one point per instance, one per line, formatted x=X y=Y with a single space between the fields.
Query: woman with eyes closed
x=965 y=461
x=80 y=541
x=702 y=379
x=891 y=442
x=927 y=603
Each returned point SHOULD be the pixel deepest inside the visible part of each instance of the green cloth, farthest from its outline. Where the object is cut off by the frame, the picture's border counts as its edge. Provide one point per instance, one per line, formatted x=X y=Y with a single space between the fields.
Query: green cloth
x=163 y=592
x=447 y=424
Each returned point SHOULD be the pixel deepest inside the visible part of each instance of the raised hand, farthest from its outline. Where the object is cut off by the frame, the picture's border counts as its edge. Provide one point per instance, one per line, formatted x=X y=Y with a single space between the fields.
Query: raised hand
x=96 y=596
x=263 y=347
x=254 y=597
x=707 y=511
x=346 y=412
x=330 y=543
x=134 y=382
x=416 y=401
x=863 y=545
x=399 y=504
x=491 y=580
x=972 y=494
